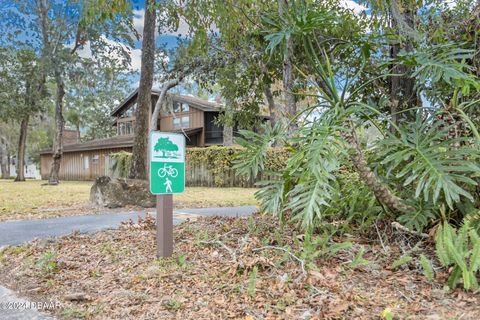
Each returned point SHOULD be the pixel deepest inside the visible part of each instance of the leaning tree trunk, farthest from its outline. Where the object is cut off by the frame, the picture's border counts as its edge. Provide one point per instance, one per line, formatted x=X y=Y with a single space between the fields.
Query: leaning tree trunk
x=379 y=189
x=163 y=94
x=4 y=163
x=144 y=100
x=58 y=140
x=21 y=150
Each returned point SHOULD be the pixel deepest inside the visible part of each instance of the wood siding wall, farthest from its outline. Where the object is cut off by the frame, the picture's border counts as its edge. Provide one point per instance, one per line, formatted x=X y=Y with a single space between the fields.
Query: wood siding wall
x=72 y=166
x=196 y=119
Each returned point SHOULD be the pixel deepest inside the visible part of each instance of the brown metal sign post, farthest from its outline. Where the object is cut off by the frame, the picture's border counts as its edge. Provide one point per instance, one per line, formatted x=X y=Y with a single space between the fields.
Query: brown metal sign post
x=164 y=225
x=167 y=177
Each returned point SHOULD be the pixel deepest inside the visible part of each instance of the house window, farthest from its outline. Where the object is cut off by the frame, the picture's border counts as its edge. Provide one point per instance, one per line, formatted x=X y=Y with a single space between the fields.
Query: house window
x=181 y=122
x=86 y=163
x=128 y=128
x=185 y=121
x=130 y=112
x=125 y=128
x=180 y=107
x=121 y=128
x=177 y=107
x=95 y=159
x=176 y=123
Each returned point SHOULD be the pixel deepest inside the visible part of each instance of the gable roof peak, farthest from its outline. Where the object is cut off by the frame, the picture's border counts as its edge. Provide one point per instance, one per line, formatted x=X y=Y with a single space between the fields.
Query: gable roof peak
x=195 y=102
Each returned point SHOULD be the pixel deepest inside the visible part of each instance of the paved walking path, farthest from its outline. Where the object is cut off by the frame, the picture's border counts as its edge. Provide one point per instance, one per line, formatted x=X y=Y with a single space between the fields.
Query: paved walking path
x=18 y=232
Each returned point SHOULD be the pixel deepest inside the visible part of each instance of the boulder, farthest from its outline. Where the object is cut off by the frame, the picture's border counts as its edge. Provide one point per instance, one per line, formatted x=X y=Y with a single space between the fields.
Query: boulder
x=115 y=193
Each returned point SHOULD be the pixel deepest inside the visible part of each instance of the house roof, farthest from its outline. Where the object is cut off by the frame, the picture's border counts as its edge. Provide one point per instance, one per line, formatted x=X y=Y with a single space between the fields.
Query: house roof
x=123 y=141
x=195 y=102
x=188 y=131
x=97 y=144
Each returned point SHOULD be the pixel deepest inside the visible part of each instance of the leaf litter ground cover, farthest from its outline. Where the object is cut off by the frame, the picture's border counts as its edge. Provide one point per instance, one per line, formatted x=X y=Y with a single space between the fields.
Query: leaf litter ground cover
x=226 y=268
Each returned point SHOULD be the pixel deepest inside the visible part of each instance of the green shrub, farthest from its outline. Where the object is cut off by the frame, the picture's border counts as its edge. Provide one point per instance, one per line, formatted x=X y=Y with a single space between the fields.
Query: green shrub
x=47 y=262
x=219 y=160
x=122 y=163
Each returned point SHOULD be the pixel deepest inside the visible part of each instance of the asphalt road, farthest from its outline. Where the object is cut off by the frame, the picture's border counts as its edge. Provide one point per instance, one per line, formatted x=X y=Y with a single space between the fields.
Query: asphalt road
x=21 y=231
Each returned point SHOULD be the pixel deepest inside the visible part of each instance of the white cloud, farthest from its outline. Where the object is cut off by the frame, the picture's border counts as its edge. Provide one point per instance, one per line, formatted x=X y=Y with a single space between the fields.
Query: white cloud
x=139 y=19
x=354 y=6
x=136 y=59
x=135 y=54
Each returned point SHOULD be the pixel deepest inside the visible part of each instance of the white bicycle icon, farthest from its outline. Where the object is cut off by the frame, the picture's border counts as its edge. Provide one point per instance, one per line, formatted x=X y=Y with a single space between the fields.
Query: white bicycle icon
x=167 y=171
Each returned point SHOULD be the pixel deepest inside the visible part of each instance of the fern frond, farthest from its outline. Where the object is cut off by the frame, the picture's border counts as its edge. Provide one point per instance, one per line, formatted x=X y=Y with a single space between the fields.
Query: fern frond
x=401 y=261
x=454 y=277
x=475 y=258
x=440 y=248
x=427 y=267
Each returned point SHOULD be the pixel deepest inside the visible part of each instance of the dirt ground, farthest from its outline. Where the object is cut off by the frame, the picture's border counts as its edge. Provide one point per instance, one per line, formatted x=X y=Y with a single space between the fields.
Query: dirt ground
x=223 y=268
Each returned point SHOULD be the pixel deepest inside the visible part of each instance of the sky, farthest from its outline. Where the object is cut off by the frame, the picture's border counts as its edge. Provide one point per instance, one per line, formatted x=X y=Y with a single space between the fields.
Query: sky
x=171 y=39
x=167 y=39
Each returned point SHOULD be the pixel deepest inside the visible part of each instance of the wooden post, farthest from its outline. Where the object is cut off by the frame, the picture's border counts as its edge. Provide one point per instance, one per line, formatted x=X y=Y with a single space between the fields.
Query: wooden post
x=164 y=225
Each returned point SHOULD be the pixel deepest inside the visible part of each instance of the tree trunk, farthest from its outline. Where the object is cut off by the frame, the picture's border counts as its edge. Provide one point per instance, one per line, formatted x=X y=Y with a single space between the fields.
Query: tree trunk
x=271 y=104
x=78 y=132
x=144 y=100
x=58 y=139
x=269 y=95
x=227 y=136
x=381 y=191
x=21 y=149
x=288 y=76
x=228 y=127
x=402 y=88
x=4 y=163
x=9 y=162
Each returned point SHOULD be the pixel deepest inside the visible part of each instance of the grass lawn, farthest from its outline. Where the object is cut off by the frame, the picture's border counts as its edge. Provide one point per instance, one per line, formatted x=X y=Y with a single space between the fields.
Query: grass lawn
x=31 y=200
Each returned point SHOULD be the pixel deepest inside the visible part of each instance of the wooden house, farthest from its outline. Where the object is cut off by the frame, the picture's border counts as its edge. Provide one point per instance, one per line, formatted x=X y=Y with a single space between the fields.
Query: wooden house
x=88 y=160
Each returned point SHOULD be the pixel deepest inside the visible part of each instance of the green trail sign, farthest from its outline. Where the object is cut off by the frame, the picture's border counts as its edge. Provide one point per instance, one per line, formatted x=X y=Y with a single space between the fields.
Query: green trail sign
x=167 y=163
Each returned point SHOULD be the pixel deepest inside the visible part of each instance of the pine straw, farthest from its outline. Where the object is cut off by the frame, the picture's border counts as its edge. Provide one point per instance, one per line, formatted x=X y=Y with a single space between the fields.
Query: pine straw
x=115 y=275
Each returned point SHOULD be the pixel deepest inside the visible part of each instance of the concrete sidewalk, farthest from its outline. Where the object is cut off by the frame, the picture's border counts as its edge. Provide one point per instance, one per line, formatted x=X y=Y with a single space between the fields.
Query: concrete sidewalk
x=18 y=232
x=14 y=308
